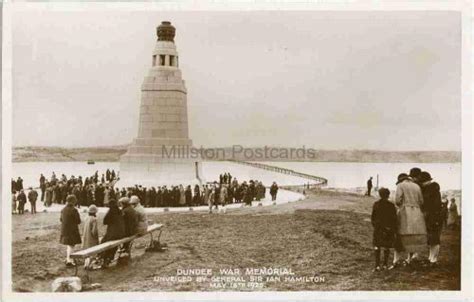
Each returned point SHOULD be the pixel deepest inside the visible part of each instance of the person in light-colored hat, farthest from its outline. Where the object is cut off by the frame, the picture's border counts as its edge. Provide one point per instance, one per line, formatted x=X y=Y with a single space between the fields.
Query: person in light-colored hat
x=90 y=235
x=411 y=233
x=140 y=210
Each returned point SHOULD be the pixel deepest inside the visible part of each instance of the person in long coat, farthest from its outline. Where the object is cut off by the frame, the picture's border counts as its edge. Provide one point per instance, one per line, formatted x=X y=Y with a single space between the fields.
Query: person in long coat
x=142 y=220
x=90 y=236
x=21 y=202
x=152 y=197
x=32 y=197
x=384 y=221
x=159 y=198
x=217 y=194
x=56 y=193
x=113 y=219
x=433 y=215
x=444 y=210
x=274 y=191
x=411 y=233
x=453 y=215
x=211 y=199
x=13 y=201
x=70 y=221
x=165 y=197
x=197 y=195
x=64 y=193
x=130 y=220
x=248 y=195
x=206 y=192
x=107 y=195
x=188 y=196
x=182 y=196
x=48 y=195
x=223 y=195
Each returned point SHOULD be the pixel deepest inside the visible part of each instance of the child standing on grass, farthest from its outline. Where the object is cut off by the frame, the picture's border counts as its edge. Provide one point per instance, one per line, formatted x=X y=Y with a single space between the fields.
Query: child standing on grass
x=384 y=221
x=90 y=236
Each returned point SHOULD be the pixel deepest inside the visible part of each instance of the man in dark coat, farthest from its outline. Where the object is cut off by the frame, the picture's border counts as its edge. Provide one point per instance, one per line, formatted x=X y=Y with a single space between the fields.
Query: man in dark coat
x=274 y=191
x=251 y=190
x=130 y=220
x=152 y=199
x=42 y=186
x=159 y=198
x=165 y=198
x=70 y=221
x=19 y=184
x=114 y=221
x=188 y=196
x=21 y=198
x=433 y=214
x=217 y=193
x=32 y=197
x=64 y=193
x=369 y=186
x=147 y=201
x=384 y=221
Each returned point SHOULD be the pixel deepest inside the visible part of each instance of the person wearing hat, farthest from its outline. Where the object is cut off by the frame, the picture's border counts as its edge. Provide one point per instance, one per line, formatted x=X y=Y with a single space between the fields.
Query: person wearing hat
x=142 y=224
x=90 y=236
x=130 y=220
x=453 y=216
x=411 y=233
x=369 y=186
x=433 y=216
x=70 y=221
x=274 y=191
x=21 y=202
x=32 y=197
x=384 y=221
x=129 y=217
x=415 y=175
x=113 y=219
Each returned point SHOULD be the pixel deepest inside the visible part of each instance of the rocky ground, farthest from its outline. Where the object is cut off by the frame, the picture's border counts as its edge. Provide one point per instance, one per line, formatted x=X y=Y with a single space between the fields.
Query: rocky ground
x=328 y=235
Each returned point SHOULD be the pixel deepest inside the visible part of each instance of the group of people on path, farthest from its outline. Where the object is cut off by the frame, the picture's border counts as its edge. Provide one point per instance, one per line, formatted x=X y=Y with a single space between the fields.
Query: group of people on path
x=95 y=190
x=411 y=223
x=211 y=194
x=124 y=218
x=91 y=190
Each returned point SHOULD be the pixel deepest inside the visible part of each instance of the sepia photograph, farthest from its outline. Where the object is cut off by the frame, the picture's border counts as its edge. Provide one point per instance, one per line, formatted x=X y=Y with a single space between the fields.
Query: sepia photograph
x=232 y=151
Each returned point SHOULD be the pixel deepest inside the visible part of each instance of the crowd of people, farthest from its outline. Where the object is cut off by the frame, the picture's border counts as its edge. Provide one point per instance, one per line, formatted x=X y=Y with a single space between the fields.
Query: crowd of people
x=413 y=222
x=89 y=190
x=126 y=217
x=98 y=191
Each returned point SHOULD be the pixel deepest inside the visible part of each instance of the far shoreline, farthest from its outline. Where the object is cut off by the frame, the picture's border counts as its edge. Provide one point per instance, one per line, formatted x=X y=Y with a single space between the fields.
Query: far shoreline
x=113 y=154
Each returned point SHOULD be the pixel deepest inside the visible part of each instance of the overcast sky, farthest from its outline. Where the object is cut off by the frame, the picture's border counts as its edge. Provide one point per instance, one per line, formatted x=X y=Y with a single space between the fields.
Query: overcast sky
x=328 y=80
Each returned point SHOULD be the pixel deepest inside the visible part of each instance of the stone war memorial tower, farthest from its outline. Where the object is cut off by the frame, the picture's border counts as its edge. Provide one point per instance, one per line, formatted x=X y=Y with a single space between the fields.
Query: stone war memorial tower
x=153 y=158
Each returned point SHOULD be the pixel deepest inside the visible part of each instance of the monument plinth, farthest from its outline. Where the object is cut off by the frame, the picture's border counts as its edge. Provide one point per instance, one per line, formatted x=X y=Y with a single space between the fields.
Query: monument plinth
x=152 y=159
